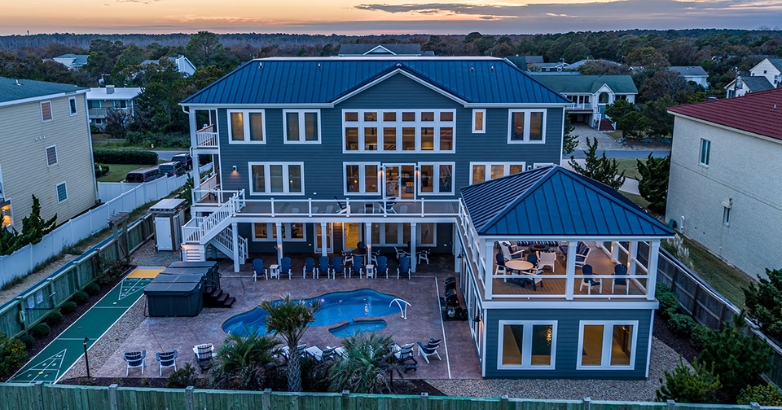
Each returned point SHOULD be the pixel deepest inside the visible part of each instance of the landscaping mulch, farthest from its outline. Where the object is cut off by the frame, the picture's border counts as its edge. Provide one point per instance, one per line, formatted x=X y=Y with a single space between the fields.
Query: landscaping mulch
x=680 y=344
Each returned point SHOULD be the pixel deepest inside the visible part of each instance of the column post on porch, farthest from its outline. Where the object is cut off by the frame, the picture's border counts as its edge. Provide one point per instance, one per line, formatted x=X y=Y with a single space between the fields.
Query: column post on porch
x=323 y=240
x=235 y=240
x=632 y=257
x=413 y=259
x=457 y=249
x=278 y=227
x=651 y=283
x=368 y=242
x=488 y=253
x=614 y=251
x=194 y=143
x=570 y=279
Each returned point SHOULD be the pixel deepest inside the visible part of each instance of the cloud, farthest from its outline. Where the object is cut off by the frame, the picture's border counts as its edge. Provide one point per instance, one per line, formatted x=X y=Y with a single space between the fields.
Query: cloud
x=556 y=15
x=136 y=1
x=481 y=11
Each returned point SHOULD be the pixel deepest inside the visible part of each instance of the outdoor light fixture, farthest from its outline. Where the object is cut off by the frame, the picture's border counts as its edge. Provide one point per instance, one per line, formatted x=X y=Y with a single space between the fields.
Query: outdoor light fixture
x=234 y=167
x=86 y=358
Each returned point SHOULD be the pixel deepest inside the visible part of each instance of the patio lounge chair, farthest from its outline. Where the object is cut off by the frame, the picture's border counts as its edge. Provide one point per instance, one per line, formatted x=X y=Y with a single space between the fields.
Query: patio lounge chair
x=400 y=253
x=309 y=267
x=285 y=267
x=509 y=253
x=166 y=359
x=135 y=360
x=429 y=350
x=347 y=257
x=323 y=266
x=329 y=353
x=343 y=208
x=381 y=266
x=204 y=355
x=373 y=256
x=405 y=357
x=588 y=281
x=315 y=352
x=620 y=271
x=258 y=269
x=336 y=267
x=423 y=256
x=582 y=251
x=404 y=267
x=357 y=267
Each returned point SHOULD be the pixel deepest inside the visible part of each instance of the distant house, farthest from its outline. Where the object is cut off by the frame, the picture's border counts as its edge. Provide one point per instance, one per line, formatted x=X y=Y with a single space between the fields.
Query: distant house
x=578 y=64
x=590 y=93
x=101 y=101
x=547 y=67
x=766 y=75
x=382 y=50
x=695 y=74
x=183 y=65
x=72 y=61
x=724 y=190
x=46 y=151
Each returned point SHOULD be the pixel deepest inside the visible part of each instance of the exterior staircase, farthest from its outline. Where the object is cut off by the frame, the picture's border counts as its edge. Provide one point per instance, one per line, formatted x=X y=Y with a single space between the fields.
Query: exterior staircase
x=213 y=229
x=215 y=297
x=606 y=125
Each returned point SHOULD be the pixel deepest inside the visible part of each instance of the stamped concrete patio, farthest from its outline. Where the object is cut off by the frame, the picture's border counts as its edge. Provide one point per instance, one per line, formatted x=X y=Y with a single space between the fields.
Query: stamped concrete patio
x=424 y=321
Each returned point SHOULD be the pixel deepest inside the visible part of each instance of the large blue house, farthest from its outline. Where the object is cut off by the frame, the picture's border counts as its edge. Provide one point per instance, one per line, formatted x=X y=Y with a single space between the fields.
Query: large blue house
x=318 y=154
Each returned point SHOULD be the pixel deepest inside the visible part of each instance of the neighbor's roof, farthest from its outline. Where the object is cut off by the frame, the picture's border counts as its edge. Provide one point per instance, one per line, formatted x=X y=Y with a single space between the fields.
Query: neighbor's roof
x=78 y=59
x=325 y=80
x=120 y=93
x=756 y=83
x=776 y=62
x=555 y=202
x=569 y=83
x=758 y=112
x=689 y=71
x=373 y=49
x=12 y=89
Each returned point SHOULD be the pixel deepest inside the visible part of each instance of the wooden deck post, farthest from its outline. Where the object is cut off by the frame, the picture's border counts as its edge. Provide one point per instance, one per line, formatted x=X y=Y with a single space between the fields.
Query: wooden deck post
x=587 y=400
x=189 y=400
x=424 y=401
x=39 y=395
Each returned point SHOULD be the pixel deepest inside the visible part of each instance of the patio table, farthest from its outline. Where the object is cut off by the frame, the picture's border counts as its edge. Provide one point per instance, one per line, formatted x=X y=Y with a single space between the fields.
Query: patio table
x=519 y=265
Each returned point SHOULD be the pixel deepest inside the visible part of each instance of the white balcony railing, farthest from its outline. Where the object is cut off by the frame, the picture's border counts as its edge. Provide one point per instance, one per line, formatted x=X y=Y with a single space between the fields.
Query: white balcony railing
x=581 y=107
x=202 y=229
x=338 y=208
x=206 y=137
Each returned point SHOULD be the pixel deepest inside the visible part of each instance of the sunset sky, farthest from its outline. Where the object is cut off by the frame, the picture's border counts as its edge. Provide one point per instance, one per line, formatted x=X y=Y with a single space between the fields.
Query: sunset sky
x=362 y=17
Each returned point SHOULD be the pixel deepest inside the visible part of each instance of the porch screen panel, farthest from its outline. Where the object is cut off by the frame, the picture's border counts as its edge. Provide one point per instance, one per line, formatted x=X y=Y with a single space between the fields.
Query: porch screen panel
x=256 y=126
x=392 y=234
x=592 y=352
x=276 y=180
x=237 y=126
x=497 y=171
x=621 y=345
x=542 y=336
x=259 y=178
x=512 y=345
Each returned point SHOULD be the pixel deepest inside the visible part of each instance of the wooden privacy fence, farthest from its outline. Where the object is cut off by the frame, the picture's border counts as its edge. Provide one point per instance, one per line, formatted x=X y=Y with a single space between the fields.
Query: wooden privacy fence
x=32 y=305
x=60 y=397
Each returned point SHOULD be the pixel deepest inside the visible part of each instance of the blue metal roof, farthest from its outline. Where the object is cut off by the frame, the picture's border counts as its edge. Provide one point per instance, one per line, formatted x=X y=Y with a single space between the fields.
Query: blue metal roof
x=324 y=80
x=553 y=201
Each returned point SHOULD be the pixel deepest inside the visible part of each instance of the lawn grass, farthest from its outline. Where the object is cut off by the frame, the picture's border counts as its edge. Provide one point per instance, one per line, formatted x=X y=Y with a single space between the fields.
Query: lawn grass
x=615 y=134
x=628 y=165
x=117 y=172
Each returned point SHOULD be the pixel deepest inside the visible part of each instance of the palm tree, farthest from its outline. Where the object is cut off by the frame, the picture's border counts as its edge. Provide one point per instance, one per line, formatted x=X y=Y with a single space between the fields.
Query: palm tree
x=243 y=360
x=364 y=369
x=290 y=320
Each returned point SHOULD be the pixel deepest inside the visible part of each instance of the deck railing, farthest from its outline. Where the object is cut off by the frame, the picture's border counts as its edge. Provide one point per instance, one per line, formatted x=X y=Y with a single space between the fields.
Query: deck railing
x=206 y=137
x=345 y=208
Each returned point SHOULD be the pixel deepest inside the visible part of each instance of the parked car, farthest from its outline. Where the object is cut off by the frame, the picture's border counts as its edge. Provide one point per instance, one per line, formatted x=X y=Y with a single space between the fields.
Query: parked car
x=185 y=159
x=171 y=168
x=143 y=175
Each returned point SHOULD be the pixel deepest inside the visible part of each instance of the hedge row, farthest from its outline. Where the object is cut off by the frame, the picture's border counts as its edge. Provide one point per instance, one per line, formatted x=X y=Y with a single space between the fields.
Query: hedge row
x=106 y=156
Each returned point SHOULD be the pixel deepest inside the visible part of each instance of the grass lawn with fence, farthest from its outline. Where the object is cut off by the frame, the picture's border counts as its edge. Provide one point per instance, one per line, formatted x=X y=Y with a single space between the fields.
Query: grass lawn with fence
x=117 y=172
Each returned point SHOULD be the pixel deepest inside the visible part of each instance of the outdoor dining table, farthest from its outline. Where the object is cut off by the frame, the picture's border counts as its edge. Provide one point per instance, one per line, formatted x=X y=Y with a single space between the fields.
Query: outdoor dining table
x=519 y=265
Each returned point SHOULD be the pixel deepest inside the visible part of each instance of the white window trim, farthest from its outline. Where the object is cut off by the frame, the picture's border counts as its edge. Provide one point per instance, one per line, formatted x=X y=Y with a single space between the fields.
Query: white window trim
x=726 y=215
x=527 y=344
x=271 y=228
x=418 y=235
x=487 y=168
x=700 y=153
x=381 y=240
x=435 y=178
x=526 y=139
x=483 y=125
x=361 y=178
x=51 y=111
x=56 y=156
x=399 y=125
x=57 y=192
x=608 y=327
x=302 y=129
x=75 y=106
x=246 y=126
x=267 y=178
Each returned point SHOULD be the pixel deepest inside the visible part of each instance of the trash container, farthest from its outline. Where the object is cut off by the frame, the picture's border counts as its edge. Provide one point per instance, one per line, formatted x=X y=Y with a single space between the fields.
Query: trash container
x=169 y=217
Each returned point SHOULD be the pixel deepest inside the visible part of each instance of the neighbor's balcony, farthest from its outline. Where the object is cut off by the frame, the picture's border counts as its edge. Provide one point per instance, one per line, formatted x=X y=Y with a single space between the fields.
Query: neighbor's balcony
x=206 y=137
x=580 y=107
x=103 y=112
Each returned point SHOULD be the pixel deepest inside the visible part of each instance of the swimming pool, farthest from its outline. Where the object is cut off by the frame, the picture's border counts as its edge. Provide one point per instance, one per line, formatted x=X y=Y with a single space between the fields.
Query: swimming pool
x=335 y=308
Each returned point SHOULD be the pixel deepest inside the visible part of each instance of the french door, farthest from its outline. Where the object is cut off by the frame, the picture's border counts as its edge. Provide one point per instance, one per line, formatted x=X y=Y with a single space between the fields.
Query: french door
x=329 y=238
x=400 y=181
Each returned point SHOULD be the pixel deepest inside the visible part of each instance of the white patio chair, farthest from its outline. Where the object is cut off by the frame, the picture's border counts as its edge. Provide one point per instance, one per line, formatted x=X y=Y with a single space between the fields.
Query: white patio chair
x=548 y=259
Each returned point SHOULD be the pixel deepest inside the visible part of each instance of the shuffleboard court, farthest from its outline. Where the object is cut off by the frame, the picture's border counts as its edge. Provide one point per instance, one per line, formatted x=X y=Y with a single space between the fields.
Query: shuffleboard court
x=54 y=360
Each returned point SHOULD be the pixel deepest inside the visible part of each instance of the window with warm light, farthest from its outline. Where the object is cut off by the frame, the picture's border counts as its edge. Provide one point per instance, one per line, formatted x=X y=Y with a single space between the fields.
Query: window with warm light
x=279 y=178
x=246 y=127
x=527 y=344
x=527 y=126
x=480 y=172
x=435 y=179
x=392 y=131
x=301 y=126
x=292 y=232
x=607 y=345
x=478 y=121
x=362 y=178
x=46 y=111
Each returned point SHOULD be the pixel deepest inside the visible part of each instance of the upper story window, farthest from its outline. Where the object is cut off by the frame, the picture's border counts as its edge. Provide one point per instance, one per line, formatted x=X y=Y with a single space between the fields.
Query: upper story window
x=607 y=345
x=527 y=344
x=301 y=126
x=478 y=121
x=436 y=179
x=480 y=172
x=399 y=131
x=46 y=111
x=62 y=192
x=527 y=126
x=277 y=178
x=362 y=178
x=72 y=105
x=246 y=127
x=51 y=155
x=705 y=152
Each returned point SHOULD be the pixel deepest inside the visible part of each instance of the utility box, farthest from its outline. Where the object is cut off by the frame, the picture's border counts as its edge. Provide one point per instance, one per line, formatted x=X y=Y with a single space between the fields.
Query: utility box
x=169 y=217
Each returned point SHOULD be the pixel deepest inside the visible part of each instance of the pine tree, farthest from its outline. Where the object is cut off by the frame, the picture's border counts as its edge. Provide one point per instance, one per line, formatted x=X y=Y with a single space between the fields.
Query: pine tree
x=605 y=170
x=571 y=141
x=653 y=185
x=34 y=227
x=683 y=386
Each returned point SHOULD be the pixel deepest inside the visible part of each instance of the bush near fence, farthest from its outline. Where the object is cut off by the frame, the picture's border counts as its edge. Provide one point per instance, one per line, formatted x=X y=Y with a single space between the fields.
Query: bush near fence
x=124 y=156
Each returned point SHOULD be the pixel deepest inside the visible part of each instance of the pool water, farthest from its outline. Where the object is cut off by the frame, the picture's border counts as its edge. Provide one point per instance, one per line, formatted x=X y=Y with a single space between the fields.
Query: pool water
x=352 y=328
x=335 y=308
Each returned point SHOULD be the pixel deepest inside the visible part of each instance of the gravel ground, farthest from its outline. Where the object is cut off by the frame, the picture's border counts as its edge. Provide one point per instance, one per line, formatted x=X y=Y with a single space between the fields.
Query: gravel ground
x=111 y=341
x=663 y=358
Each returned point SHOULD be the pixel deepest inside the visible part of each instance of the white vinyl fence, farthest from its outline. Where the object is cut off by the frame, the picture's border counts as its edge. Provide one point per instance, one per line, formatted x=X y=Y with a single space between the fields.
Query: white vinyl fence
x=110 y=190
x=23 y=261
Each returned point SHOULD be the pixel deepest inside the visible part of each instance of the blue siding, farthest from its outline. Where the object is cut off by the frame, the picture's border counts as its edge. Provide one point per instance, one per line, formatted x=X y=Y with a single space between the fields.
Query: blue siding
x=567 y=342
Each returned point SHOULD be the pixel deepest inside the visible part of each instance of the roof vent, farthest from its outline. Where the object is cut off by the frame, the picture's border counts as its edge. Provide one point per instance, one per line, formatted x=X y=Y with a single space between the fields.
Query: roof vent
x=398 y=65
x=472 y=68
x=17 y=82
x=260 y=65
x=319 y=65
x=492 y=68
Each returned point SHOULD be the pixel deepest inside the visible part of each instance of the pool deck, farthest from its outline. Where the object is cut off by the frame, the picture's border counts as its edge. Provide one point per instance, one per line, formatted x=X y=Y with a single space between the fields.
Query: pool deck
x=459 y=358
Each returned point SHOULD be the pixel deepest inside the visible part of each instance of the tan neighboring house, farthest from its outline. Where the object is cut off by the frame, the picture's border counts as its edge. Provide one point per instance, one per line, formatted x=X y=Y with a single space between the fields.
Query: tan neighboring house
x=45 y=151
x=724 y=190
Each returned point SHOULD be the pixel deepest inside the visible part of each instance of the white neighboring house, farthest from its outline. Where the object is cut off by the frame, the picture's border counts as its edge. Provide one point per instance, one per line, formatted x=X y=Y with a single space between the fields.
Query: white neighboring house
x=766 y=75
x=724 y=190
x=101 y=100
x=72 y=61
x=183 y=65
x=695 y=74
x=46 y=151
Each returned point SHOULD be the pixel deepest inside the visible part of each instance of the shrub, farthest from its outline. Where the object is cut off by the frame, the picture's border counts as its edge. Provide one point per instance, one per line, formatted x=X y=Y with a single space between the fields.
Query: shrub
x=80 y=297
x=101 y=169
x=40 y=330
x=92 y=289
x=12 y=355
x=698 y=336
x=68 y=307
x=54 y=318
x=669 y=304
x=763 y=301
x=183 y=377
x=681 y=324
x=767 y=395
x=126 y=156
x=683 y=386
x=27 y=339
x=737 y=358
